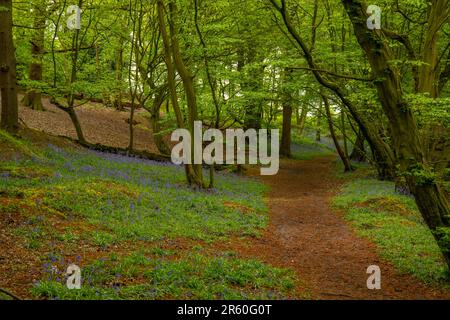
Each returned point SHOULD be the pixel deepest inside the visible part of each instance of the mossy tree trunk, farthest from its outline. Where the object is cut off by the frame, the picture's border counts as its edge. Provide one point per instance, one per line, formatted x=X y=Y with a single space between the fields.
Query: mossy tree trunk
x=358 y=153
x=174 y=61
x=70 y=108
x=8 y=87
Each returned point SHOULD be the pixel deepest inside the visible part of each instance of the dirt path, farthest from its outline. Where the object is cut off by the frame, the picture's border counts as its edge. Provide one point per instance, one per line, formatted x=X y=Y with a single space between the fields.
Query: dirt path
x=306 y=235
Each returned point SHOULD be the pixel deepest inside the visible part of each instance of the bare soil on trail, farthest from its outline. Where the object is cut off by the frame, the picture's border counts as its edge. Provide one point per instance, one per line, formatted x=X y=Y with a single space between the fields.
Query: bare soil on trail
x=308 y=236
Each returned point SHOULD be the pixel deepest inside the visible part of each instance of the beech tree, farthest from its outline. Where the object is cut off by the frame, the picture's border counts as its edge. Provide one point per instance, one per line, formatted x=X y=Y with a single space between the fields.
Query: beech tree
x=410 y=151
x=175 y=62
x=33 y=96
x=8 y=86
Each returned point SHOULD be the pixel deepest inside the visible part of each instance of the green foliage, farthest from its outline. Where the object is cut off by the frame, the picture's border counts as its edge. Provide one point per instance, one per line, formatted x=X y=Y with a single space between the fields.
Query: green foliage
x=430 y=111
x=19 y=146
x=421 y=175
x=196 y=276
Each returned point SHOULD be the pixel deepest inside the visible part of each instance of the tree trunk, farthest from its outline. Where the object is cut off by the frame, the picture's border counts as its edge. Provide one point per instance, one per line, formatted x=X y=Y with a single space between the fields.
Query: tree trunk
x=209 y=76
x=117 y=98
x=8 y=86
x=154 y=118
x=319 y=121
x=131 y=126
x=195 y=176
x=437 y=15
x=33 y=97
x=285 y=148
x=76 y=123
x=170 y=57
x=358 y=153
x=342 y=155
x=70 y=109
x=344 y=134
x=302 y=120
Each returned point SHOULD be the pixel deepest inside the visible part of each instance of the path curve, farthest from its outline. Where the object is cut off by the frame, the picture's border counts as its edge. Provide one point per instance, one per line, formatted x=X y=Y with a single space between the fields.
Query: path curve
x=306 y=235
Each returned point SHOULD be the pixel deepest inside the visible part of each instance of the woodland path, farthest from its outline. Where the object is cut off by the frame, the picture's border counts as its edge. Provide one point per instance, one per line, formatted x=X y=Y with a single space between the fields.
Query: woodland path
x=307 y=235
x=304 y=233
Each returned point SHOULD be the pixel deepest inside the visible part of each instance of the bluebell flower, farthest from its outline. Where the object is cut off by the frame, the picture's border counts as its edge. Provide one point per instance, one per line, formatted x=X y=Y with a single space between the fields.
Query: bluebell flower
x=5 y=174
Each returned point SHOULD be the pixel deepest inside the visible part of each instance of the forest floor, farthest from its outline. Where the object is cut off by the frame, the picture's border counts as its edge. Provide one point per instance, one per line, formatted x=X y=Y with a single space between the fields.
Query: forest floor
x=101 y=125
x=306 y=234
x=307 y=248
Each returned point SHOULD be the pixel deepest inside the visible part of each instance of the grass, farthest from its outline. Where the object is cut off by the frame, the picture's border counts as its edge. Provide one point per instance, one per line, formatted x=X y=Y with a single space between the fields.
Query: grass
x=306 y=148
x=149 y=275
x=69 y=203
x=394 y=224
x=134 y=199
x=19 y=146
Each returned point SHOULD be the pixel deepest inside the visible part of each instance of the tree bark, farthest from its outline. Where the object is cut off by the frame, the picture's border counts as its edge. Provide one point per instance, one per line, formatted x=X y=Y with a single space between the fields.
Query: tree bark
x=342 y=154
x=33 y=97
x=70 y=109
x=195 y=175
x=154 y=119
x=285 y=147
x=302 y=120
x=8 y=86
x=318 y=122
x=117 y=99
x=358 y=153
x=173 y=59
x=438 y=11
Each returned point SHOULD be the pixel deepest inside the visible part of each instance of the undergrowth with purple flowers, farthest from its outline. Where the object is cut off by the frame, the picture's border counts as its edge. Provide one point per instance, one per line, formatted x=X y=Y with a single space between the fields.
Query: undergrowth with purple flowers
x=135 y=199
x=72 y=199
x=196 y=276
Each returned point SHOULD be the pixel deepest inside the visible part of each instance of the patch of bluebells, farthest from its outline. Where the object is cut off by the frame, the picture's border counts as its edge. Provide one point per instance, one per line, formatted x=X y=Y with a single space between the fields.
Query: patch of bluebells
x=76 y=163
x=57 y=150
x=5 y=174
x=55 y=267
x=113 y=157
x=163 y=193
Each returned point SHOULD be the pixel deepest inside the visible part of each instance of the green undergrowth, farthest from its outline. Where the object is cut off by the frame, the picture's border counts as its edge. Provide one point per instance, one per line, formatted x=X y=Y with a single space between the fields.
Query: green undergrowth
x=306 y=148
x=144 y=275
x=132 y=198
x=70 y=202
x=393 y=222
x=19 y=146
